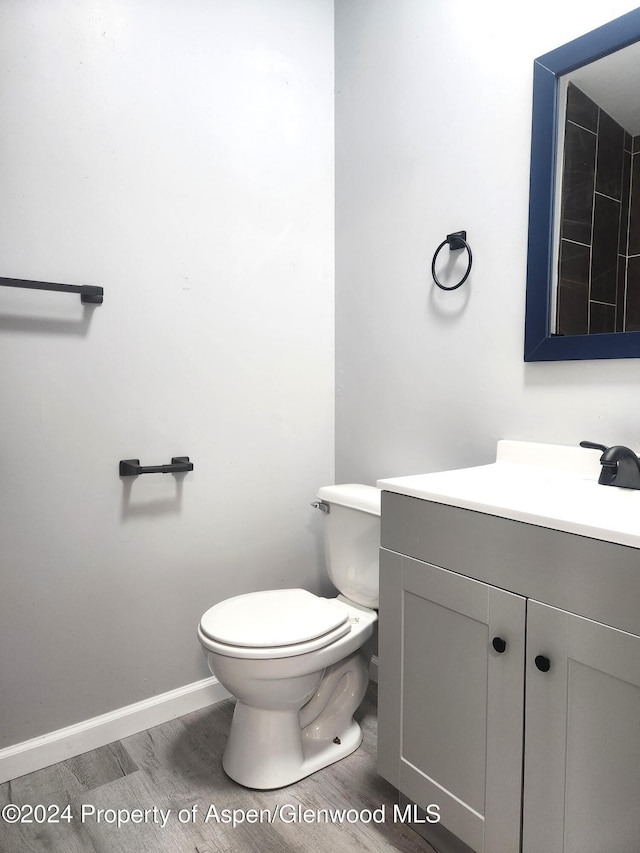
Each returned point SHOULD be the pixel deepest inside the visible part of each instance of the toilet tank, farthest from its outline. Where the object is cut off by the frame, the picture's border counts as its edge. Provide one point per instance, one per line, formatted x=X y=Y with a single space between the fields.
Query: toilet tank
x=352 y=540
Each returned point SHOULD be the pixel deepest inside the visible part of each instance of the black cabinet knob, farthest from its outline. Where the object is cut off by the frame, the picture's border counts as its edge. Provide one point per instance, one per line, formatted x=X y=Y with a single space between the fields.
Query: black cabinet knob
x=499 y=644
x=543 y=663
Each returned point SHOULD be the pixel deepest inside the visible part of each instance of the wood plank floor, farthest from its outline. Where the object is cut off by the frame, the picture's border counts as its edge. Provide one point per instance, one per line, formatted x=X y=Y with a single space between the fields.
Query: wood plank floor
x=173 y=772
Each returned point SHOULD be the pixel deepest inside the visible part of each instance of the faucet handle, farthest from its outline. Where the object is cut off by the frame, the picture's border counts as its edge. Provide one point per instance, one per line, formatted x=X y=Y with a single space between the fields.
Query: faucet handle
x=593 y=446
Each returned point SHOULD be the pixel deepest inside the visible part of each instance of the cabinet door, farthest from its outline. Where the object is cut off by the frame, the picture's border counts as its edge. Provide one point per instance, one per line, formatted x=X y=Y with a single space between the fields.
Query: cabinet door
x=450 y=705
x=582 y=739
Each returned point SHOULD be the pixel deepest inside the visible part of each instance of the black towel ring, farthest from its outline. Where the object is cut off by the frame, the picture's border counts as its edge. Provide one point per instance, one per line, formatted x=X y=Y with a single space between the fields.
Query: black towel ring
x=457 y=240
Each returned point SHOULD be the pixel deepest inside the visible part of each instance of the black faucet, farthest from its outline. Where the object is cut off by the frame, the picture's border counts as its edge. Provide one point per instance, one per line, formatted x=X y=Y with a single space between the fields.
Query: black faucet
x=620 y=465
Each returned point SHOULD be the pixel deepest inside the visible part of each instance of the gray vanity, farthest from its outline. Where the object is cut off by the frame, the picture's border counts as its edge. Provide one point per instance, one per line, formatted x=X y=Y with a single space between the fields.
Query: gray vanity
x=509 y=652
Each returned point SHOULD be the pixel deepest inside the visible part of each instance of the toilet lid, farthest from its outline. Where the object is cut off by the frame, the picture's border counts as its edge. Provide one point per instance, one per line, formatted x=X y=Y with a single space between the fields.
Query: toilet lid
x=274 y=618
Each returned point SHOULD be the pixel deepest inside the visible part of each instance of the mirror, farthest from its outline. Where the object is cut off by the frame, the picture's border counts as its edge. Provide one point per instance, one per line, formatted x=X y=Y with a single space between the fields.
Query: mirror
x=583 y=268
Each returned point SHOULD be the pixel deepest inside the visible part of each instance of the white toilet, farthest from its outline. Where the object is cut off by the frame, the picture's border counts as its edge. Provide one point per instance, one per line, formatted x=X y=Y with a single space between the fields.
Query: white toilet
x=298 y=664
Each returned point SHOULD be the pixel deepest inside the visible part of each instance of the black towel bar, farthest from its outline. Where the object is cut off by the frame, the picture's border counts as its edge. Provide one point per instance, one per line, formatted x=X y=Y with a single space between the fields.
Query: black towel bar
x=88 y=292
x=131 y=467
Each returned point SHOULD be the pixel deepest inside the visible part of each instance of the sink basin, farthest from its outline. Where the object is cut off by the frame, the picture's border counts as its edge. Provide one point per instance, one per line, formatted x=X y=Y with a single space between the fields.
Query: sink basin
x=549 y=485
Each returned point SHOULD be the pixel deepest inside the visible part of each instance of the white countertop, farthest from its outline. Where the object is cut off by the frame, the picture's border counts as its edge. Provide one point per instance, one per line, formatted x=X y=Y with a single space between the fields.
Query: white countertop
x=548 y=485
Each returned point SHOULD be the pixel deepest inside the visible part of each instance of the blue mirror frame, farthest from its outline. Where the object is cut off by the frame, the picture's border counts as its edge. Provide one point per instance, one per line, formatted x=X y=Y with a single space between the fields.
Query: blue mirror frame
x=540 y=344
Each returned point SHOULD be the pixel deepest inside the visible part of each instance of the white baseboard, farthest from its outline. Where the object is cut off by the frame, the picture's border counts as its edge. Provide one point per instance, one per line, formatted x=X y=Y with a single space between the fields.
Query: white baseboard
x=90 y=734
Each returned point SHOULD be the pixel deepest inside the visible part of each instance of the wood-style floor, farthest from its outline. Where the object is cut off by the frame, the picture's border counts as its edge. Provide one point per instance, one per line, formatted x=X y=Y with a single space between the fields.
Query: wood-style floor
x=176 y=768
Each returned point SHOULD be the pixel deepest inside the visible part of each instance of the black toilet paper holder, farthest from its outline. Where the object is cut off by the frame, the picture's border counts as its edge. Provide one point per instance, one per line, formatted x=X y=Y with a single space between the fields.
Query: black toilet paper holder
x=132 y=467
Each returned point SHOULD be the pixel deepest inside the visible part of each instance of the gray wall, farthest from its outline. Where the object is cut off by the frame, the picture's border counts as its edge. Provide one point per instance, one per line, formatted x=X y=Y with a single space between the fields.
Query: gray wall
x=182 y=158
x=166 y=151
x=433 y=124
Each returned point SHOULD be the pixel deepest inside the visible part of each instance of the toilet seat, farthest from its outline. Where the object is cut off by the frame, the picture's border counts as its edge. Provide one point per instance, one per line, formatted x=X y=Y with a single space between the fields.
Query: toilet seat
x=274 y=624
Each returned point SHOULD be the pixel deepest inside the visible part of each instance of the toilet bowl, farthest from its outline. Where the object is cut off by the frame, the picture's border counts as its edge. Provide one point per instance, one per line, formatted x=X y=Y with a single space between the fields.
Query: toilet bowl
x=297 y=663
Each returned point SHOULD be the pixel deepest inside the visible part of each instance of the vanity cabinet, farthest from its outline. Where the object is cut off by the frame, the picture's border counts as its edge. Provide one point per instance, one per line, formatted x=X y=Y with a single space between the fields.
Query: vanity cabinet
x=517 y=714
x=450 y=706
x=582 y=736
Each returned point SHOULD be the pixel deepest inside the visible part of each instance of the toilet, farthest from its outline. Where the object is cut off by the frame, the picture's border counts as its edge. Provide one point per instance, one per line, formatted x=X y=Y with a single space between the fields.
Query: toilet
x=298 y=664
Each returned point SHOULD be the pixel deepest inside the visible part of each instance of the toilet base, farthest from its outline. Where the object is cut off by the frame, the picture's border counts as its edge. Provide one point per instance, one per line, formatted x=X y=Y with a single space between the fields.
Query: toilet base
x=285 y=759
x=270 y=749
